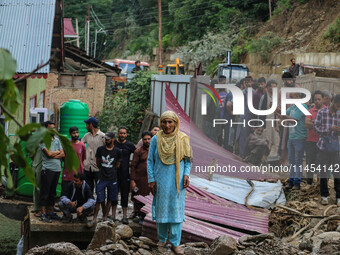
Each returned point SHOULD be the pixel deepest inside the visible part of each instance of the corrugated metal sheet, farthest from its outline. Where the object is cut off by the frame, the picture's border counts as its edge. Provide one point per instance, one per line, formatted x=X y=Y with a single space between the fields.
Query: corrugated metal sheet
x=206 y=151
x=179 y=86
x=208 y=216
x=26 y=28
x=265 y=194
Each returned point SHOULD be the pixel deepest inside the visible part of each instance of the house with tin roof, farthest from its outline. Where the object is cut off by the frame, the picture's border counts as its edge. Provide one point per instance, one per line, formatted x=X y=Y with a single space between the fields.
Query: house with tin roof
x=33 y=31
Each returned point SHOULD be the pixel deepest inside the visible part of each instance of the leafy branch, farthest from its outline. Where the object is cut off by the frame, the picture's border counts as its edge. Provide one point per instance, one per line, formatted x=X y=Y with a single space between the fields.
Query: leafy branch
x=31 y=135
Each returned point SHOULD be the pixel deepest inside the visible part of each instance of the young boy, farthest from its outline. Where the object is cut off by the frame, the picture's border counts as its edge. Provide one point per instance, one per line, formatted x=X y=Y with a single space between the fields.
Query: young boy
x=108 y=159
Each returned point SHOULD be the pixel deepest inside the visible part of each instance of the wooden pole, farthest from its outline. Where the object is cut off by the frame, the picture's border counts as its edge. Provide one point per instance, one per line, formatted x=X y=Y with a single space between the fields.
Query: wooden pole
x=270 y=8
x=160 y=32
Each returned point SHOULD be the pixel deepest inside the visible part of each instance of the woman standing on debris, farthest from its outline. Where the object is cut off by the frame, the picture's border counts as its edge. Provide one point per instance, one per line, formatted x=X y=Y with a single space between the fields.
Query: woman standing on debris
x=169 y=164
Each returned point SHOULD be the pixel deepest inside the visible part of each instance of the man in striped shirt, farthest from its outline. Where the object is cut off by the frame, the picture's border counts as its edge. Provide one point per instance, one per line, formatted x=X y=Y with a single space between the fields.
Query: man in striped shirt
x=327 y=123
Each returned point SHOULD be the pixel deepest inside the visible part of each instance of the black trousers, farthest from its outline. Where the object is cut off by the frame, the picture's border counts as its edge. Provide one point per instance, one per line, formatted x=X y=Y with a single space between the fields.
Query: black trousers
x=311 y=158
x=68 y=209
x=91 y=178
x=329 y=163
x=49 y=181
x=124 y=188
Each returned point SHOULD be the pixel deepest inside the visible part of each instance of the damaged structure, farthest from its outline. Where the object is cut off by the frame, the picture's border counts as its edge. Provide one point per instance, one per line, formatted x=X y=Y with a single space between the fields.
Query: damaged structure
x=208 y=216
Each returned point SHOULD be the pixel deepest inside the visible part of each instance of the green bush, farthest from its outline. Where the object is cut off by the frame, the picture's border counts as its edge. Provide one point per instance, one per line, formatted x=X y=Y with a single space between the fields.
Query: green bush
x=167 y=41
x=281 y=4
x=212 y=68
x=264 y=45
x=127 y=107
x=333 y=33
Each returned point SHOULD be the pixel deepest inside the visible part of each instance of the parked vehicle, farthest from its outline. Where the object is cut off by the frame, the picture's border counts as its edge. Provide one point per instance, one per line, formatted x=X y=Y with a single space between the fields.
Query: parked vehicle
x=232 y=72
x=175 y=69
x=127 y=65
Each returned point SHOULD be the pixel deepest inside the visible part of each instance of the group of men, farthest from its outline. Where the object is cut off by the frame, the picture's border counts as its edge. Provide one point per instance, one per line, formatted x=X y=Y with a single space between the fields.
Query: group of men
x=104 y=170
x=305 y=134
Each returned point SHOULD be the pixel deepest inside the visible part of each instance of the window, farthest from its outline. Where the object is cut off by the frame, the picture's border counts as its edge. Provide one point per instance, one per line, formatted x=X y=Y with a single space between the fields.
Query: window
x=77 y=81
x=42 y=99
x=33 y=101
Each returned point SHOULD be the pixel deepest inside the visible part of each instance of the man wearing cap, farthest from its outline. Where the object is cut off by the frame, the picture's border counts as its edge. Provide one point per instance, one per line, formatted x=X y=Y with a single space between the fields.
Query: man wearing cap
x=108 y=160
x=94 y=139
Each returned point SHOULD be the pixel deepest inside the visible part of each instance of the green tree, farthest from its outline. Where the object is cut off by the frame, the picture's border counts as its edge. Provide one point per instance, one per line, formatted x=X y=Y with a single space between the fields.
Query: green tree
x=264 y=45
x=127 y=107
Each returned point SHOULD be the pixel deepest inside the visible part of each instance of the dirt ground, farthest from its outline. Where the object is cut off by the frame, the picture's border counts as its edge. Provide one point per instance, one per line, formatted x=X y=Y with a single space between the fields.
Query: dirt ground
x=303 y=26
x=307 y=200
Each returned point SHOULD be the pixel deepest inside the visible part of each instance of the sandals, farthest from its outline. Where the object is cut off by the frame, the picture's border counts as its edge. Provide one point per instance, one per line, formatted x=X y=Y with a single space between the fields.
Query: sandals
x=133 y=215
x=178 y=250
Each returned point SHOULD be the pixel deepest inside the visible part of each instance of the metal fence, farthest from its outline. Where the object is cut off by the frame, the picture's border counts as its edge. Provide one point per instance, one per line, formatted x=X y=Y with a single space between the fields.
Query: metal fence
x=180 y=87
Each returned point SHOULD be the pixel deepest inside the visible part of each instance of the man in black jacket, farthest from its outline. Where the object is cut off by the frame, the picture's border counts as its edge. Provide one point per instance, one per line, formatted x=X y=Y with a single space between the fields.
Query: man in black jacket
x=77 y=198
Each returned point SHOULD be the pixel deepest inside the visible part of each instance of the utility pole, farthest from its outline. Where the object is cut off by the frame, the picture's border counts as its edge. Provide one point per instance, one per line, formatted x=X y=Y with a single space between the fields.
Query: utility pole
x=85 y=38
x=77 y=31
x=95 y=44
x=159 y=32
x=88 y=30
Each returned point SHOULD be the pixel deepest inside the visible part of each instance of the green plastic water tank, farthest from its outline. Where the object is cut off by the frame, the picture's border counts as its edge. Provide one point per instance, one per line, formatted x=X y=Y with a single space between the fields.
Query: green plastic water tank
x=25 y=188
x=73 y=113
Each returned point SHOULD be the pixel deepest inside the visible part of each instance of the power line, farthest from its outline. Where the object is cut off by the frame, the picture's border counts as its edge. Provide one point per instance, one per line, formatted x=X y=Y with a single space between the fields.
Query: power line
x=96 y=19
x=156 y=12
x=122 y=22
x=152 y=24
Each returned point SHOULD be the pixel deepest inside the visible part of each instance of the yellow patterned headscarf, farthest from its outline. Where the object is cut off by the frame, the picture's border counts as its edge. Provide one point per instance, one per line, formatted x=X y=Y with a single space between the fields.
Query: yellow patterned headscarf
x=174 y=147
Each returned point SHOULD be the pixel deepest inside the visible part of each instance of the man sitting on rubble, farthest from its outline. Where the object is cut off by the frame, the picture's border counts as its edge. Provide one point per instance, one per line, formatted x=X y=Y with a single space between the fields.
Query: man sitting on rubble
x=257 y=147
x=77 y=198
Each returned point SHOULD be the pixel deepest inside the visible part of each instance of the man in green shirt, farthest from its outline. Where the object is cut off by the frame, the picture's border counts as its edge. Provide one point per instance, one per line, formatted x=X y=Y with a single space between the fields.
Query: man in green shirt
x=51 y=168
x=296 y=143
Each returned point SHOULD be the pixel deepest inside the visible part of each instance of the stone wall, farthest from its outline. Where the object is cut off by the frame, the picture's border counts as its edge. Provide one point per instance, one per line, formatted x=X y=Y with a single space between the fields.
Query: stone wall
x=92 y=94
x=281 y=61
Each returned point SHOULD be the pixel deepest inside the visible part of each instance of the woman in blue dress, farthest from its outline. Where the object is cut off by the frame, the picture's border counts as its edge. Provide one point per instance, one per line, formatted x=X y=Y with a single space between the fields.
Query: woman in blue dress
x=169 y=164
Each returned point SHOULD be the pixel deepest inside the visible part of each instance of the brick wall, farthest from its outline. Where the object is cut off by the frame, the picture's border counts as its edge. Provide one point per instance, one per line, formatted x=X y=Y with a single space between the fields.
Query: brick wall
x=92 y=94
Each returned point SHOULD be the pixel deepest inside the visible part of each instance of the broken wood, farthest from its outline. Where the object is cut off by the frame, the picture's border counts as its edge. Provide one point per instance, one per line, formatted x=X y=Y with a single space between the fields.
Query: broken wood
x=333 y=217
x=297 y=212
x=293 y=237
x=327 y=209
x=251 y=184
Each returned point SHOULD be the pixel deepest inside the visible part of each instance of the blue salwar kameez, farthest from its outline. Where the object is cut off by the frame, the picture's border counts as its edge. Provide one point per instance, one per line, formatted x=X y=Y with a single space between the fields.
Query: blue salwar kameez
x=168 y=204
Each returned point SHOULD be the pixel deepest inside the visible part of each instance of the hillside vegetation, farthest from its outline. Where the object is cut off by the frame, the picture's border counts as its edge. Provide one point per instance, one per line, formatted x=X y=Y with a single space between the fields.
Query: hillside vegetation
x=201 y=31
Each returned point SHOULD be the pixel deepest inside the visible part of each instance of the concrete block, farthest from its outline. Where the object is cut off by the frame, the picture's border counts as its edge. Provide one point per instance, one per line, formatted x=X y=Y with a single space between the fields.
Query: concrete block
x=316 y=59
x=337 y=60
x=307 y=58
x=327 y=59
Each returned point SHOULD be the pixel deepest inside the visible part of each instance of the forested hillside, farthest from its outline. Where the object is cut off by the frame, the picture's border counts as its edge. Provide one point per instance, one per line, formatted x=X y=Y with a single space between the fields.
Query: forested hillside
x=132 y=25
x=201 y=31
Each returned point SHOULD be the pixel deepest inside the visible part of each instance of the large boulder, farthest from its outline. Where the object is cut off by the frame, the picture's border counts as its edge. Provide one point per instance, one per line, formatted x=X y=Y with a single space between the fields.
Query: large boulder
x=223 y=245
x=56 y=249
x=104 y=231
x=124 y=231
x=147 y=241
x=324 y=238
